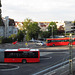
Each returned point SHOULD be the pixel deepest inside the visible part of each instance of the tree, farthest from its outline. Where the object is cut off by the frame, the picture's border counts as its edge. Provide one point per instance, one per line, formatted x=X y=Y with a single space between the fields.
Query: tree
x=24 y=27
x=33 y=30
x=52 y=24
x=26 y=23
x=61 y=30
x=45 y=34
x=20 y=36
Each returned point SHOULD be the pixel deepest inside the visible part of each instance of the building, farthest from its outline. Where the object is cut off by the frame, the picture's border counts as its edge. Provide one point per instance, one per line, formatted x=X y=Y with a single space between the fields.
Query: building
x=60 y=23
x=43 y=25
x=69 y=27
x=8 y=27
x=19 y=25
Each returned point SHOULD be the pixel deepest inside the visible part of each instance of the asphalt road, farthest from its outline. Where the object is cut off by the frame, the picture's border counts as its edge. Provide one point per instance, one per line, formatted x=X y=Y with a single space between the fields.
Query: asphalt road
x=49 y=57
x=31 y=68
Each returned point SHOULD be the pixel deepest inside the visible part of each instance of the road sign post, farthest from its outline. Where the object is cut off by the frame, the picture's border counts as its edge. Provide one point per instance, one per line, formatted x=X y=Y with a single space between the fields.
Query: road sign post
x=70 y=56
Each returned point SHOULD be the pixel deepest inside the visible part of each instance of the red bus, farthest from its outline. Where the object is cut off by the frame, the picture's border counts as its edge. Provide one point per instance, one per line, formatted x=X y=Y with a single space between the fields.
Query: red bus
x=58 y=41
x=24 y=55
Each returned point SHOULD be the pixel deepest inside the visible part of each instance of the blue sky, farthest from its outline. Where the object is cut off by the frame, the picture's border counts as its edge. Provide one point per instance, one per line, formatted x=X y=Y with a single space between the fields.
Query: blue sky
x=39 y=10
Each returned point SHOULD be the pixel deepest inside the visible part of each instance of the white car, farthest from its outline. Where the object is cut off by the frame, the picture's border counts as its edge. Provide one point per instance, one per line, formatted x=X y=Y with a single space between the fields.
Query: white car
x=41 y=43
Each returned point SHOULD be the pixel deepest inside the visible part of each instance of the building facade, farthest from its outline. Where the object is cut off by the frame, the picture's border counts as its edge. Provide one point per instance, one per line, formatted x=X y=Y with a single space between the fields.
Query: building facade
x=69 y=27
x=43 y=25
x=8 y=27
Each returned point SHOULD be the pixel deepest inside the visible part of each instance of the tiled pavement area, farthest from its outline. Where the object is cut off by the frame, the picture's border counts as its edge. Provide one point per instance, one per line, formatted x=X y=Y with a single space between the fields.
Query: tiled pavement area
x=30 y=45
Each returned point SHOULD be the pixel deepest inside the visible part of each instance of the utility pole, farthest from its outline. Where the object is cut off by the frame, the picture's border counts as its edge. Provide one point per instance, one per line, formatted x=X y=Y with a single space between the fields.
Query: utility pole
x=0 y=14
x=52 y=30
x=70 y=56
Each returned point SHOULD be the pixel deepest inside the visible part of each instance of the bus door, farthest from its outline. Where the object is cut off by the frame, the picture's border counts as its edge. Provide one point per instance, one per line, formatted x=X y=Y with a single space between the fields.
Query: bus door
x=49 y=42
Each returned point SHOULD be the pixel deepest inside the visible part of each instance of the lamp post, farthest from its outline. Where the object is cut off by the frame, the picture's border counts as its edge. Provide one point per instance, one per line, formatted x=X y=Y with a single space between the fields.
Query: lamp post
x=25 y=34
x=52 y=30
x=70 y=56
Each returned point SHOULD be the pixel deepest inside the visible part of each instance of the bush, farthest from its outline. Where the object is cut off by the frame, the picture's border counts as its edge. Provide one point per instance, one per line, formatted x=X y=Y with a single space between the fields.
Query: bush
x=19 y=37
x=0 y=41
x=6 y=40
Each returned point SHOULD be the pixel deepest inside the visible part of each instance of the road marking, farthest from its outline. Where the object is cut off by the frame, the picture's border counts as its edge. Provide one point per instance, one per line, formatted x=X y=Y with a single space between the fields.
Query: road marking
x=45 y=53
x=50 y=68
x=46 y=58
x=16 y=67
x=64 y=72
x=50 y=73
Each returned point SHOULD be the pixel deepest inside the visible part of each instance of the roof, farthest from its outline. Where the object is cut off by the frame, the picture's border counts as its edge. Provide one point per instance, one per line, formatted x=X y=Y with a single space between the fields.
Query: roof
x=20 y=49
x=56 y=38
x=11 y=50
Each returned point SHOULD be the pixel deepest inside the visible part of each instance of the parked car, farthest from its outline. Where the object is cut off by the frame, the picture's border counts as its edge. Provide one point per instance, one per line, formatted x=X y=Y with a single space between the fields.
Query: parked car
x=41 y=43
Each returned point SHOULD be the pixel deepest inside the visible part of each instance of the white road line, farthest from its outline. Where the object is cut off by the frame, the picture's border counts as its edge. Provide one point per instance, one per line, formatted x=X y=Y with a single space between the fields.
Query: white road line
x=17 y=67
x=64 y=72
x=50 y=73
x=49 y=68
x=46 y=58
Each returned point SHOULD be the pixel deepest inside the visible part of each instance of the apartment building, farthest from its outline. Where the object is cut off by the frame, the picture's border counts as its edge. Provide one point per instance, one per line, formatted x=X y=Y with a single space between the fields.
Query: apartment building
x=69 y=27
x=2 y=29
x=8 y=27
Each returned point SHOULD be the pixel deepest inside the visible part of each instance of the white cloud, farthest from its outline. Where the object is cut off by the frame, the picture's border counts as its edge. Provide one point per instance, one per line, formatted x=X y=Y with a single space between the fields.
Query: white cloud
x=39 y=9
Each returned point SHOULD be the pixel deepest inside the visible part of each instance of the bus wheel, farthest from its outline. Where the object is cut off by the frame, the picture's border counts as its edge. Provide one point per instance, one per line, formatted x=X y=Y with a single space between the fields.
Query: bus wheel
x=23 y=61
x=53 y=45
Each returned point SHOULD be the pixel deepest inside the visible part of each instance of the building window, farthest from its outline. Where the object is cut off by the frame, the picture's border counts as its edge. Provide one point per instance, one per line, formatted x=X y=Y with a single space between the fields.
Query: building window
x=9 y=31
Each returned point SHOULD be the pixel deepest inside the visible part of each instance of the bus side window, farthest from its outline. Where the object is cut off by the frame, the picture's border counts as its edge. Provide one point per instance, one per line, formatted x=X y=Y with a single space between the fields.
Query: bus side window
x=30 y=55
x=24 y=55
x=49 y=41
x=8 y=54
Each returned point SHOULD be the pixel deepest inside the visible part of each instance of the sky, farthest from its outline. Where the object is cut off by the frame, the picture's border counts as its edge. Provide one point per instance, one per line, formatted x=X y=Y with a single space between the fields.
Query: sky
x=39 y=10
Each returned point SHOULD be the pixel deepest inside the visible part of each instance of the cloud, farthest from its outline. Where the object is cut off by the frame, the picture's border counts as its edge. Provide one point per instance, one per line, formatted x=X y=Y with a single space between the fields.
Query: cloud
x=39 y=9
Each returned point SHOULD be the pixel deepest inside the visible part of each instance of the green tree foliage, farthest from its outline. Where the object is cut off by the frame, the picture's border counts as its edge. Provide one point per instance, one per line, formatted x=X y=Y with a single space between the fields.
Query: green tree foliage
x=26 y=24
x=33 y=30
x=12 y=38
x=28 y=37
x=45 y=34
x=52 y=24
x=20 y=36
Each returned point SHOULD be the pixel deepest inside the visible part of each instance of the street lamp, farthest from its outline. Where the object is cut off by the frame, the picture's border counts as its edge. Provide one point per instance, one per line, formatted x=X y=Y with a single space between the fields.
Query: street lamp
x=70 y=56
x=25 y=34
x=52 y=30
